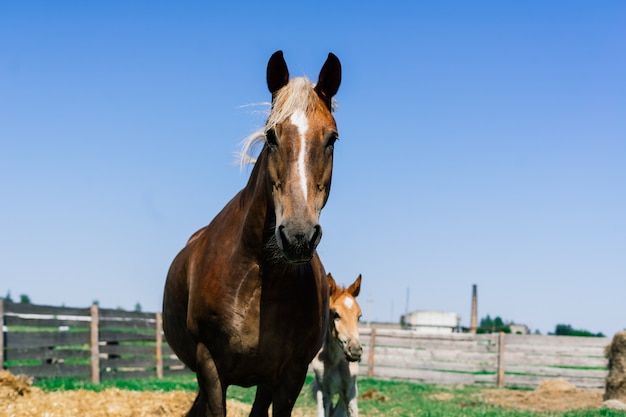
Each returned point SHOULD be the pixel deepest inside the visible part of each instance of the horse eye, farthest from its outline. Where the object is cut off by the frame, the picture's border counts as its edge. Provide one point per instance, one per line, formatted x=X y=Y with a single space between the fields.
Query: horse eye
x=332 y=138
x=271 y=139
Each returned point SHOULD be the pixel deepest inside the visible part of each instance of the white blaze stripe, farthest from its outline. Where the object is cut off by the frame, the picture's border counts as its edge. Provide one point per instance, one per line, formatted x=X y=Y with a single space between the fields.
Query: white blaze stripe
x=348 y=302
x=298 y=119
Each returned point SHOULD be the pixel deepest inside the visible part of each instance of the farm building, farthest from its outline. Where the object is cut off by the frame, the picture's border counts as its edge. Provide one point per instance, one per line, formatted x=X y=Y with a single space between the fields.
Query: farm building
x=438 y=322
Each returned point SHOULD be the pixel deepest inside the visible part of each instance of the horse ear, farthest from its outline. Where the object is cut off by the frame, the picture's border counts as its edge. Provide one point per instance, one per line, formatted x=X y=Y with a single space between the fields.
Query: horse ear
x=332 y=285
x=355 y=288
x=329 y=79
x=277 y=72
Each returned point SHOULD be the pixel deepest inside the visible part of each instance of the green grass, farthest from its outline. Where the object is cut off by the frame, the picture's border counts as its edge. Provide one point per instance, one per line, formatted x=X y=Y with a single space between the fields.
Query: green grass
x=392 y=399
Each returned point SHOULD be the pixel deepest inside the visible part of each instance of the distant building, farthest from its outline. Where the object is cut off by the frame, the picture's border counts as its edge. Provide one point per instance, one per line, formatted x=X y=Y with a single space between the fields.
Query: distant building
x=519 y=329
x=437 y=322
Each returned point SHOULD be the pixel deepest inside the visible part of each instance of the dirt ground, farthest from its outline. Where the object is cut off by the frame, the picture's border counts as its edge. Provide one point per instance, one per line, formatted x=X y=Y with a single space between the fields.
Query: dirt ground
x=550 y=395
x=19 y=399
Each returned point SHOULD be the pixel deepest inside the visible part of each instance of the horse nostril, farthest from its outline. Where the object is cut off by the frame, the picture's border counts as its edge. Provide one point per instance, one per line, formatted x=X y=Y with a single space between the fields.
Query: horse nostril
x=283 y=238
x=317 y=236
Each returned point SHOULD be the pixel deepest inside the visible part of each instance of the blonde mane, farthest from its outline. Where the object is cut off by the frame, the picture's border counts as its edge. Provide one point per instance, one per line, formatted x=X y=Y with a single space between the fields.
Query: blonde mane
x=298 y=94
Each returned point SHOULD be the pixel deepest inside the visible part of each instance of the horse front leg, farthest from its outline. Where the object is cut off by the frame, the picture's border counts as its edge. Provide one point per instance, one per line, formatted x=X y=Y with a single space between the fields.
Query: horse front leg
x=211 y=399
x=286 y=393
x=262 y=401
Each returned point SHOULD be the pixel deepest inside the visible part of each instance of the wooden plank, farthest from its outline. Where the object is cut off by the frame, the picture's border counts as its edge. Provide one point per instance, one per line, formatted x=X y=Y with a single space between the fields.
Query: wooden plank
x=437 y=355
x=53 y=370
x=486 y=379
x=39 y=339
x=118 y=336
x=128 y=323
x=170 y=362
x=137 y=350
x=26 y=309
x=552 y=372
x=45 y=353
x=108 y=314
x=178 y=372
x=134 y=362
x=555 y=350
x=424 y=377
x=512 y=359
x=411 y=334
x=45 y=322
x=434 y=344
x=536 y=340
x=401 y=362
x=127 y=374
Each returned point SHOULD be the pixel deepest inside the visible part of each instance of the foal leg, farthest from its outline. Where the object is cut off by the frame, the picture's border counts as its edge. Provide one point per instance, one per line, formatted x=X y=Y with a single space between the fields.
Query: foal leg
x=351 y=396
x=211 y=399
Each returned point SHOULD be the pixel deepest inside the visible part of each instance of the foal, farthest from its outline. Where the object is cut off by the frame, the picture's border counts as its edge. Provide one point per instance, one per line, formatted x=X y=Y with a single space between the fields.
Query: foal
x=336 y=365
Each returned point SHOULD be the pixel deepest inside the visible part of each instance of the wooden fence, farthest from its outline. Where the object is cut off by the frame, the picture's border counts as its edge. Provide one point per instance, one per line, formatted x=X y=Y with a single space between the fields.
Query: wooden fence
x=84 y=343
x=483 y=359
x=95 y=344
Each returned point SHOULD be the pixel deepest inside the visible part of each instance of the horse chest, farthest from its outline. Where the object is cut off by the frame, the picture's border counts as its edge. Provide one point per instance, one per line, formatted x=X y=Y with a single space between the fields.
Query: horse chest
x=258 y=321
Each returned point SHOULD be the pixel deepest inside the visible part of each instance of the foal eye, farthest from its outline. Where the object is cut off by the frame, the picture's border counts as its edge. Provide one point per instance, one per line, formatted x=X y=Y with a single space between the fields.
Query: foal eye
x=335 y=315
x=270 y=137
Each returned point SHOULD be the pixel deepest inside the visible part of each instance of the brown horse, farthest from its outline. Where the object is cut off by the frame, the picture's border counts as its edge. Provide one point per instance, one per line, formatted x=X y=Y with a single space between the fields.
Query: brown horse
x=246 y=300
x=335 y=366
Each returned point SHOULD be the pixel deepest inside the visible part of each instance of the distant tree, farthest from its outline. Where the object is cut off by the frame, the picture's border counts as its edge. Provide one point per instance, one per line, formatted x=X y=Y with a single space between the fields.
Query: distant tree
x=24 y=299
x=568 y=330
x=138 y=308
x=8 y=296
x=495 y=325
x=95 y=303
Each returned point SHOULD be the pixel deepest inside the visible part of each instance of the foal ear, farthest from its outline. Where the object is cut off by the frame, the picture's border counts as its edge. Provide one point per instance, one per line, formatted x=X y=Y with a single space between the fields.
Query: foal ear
x=355 y=288
x=277 y=72
x=332 y=285
x=329 y=79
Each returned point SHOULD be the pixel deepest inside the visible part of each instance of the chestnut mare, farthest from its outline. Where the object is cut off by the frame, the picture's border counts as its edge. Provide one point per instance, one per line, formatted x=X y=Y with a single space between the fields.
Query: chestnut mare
x=246 y=300
x=336 y=364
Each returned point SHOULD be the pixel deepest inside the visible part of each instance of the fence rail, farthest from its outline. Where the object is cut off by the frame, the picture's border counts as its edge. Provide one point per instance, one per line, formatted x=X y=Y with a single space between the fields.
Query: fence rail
x=96 y=344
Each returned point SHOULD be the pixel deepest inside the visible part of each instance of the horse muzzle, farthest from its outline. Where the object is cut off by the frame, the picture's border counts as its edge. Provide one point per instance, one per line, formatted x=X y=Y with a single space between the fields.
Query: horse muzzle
x=353 y=352
x=298 y=243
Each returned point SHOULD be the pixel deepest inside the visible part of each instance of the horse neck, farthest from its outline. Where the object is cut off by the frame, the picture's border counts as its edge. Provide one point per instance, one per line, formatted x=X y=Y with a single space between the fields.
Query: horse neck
x=254 y=203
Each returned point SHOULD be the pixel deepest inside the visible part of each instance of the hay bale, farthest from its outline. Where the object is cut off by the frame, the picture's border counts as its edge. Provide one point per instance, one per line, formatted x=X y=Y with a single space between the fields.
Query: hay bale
x=12 y=386
x=616 y=379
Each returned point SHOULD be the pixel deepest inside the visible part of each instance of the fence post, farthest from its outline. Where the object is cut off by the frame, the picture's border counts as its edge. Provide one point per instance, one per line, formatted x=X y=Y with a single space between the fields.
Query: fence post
x=95 y=349
x=159 y=345
x=500 y=361
x=370 y=359
x=1 y=334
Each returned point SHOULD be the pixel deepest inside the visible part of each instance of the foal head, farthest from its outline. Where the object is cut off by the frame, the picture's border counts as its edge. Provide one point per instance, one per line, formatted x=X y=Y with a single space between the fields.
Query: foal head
x=344 y=314
x=300 y=135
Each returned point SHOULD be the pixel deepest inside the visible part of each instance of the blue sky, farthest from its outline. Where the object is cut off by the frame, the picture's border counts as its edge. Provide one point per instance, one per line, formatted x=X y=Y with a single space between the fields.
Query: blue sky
x=480 y=143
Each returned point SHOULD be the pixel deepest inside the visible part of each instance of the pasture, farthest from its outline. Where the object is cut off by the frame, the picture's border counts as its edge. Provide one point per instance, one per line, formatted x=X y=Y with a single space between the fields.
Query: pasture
x=172 y=396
